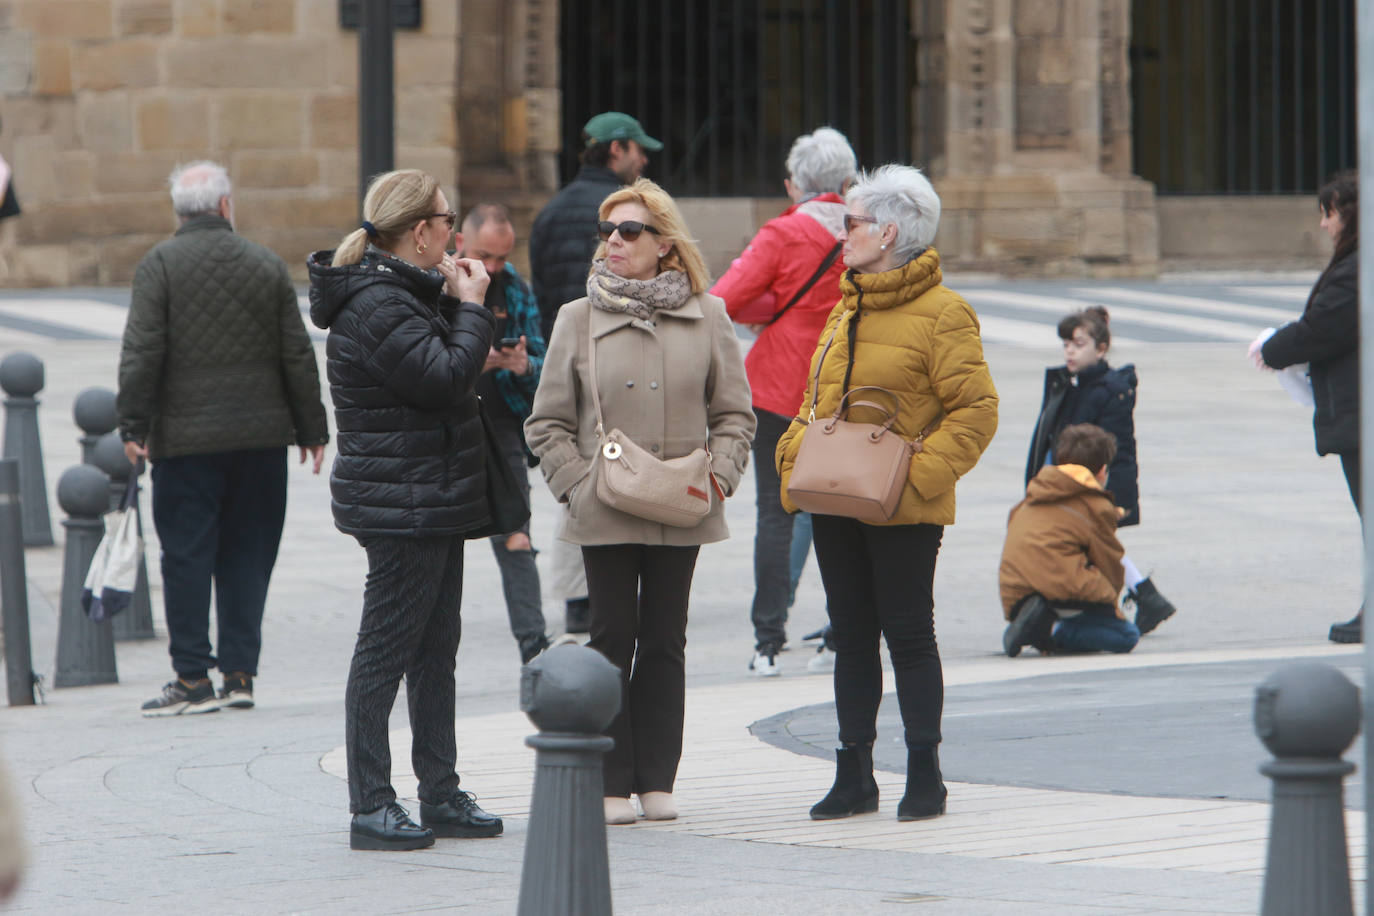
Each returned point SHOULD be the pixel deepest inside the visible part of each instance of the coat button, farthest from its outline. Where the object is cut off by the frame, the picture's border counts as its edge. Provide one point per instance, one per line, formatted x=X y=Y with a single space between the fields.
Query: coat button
x=653 y=385
x=630 y=383
x=654 y=447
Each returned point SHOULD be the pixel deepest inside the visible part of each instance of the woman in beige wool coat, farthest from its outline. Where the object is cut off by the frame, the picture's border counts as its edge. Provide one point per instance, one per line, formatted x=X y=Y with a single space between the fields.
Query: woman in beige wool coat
x=670 y=376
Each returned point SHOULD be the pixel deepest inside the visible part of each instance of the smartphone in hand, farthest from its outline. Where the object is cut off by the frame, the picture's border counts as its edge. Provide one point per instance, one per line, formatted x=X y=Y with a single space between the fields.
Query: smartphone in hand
x=508 y=343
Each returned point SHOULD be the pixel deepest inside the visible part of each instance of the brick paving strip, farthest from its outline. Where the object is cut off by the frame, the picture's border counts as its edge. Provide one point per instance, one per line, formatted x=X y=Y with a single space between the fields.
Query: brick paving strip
x=732 y=785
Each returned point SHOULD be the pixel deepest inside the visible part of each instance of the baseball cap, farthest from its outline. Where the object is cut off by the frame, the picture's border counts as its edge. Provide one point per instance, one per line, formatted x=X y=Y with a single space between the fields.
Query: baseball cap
x=614 y=125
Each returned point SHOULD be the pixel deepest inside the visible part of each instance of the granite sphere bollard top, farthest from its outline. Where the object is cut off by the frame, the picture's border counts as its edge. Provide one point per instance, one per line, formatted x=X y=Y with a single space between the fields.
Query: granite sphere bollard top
x=1307 y=714
x=21 y=377
x=137 y=621
x=85 y=649
x=94 y=412
x=571 y=693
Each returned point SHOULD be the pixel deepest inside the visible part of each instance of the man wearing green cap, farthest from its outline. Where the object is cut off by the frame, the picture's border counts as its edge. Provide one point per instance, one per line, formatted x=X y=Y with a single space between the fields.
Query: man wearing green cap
x=562 y=243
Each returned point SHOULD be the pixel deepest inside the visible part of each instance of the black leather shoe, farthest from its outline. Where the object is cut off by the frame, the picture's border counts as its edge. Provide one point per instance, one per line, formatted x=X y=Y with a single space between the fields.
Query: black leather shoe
x=1349 y=632
x=459 y=817
x=389 y=827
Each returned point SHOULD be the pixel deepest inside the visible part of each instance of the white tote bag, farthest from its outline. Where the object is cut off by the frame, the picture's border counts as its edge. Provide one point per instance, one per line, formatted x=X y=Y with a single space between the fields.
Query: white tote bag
x=114 y=568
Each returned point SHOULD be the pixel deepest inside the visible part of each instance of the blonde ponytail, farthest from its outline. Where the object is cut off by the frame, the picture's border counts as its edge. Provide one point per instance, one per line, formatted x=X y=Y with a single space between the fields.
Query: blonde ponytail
x=350 y=250
x=395 y=202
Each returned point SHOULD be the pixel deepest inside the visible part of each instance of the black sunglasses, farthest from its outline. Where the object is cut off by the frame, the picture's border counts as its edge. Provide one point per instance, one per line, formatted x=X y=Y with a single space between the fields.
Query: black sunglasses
x=629 y=230
x=451 y=218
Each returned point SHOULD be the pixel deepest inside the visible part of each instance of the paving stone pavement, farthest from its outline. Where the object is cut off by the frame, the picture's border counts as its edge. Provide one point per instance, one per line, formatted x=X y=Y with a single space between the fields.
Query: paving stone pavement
x=1246 y=530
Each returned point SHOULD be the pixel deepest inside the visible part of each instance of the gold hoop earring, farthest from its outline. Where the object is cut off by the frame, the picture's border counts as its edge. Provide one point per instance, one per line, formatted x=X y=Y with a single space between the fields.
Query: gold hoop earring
x=421 y=248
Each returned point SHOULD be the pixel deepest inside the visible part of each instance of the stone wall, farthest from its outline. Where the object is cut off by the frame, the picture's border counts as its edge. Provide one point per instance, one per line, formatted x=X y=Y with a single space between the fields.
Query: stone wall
x=100 y=99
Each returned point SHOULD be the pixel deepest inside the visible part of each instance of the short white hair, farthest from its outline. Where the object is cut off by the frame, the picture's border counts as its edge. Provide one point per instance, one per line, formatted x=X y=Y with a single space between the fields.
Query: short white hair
x=901 y=196
x=197 y=188
x=821 y=161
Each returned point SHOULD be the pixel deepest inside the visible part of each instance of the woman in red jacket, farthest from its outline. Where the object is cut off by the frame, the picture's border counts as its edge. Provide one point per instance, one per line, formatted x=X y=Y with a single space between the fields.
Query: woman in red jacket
x=786 y=282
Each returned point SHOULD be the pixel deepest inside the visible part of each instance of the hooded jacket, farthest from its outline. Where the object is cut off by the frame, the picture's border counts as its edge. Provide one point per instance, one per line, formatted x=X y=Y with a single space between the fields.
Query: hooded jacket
x=402 y=359
x=1061 y=542
x=901 y=329
x=1104 y=397
x=781 y=258
x=1327 y=337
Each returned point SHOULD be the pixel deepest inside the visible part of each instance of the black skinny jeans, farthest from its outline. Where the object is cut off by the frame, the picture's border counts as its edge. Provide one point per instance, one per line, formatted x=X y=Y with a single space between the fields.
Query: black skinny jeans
x=639 y=621
x=879 y=580
x=410 y=628
x=772 y=538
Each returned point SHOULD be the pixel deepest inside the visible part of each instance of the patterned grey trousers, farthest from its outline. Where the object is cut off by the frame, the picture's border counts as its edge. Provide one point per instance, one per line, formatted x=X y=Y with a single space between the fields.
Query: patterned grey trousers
x=410 y=627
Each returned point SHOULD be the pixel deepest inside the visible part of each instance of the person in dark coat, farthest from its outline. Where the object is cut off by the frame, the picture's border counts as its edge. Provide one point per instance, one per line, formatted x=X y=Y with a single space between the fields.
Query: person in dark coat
x=562 y=242
x=217 y=378
x=408 y=339
x=1327 y=338
x=1088 y=390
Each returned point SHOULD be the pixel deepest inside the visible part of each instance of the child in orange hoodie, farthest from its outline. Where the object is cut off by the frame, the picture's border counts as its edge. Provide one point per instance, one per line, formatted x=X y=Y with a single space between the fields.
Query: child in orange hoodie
x=1061 y=564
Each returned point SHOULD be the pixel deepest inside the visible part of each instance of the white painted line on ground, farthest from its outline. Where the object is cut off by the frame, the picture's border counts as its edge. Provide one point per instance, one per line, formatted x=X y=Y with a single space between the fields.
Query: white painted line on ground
x=1062 y=305
x=1296 y=295
x=996 y=329
x=1216 y=307
x=88 y=315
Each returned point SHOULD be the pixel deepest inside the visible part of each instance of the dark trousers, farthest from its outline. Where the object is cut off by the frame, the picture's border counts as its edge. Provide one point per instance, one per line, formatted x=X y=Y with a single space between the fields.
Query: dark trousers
x=219 y=518
x=772 y=538
x=410 y=627
x=639 y=621
x=879 y=580
x=519 y=574
x=1350 y=464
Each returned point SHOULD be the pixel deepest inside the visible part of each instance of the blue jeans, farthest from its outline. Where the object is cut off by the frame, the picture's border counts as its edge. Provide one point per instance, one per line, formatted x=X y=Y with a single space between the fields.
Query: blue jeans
x=1090 y=632
x=772 y=538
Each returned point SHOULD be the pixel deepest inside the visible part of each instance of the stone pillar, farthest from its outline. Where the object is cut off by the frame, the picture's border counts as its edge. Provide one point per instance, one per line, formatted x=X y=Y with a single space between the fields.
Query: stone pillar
x=1307 y=713
x=85 y=649
x=1034 y=169
x=571 y=693
x=21 y=377
x=95 y=414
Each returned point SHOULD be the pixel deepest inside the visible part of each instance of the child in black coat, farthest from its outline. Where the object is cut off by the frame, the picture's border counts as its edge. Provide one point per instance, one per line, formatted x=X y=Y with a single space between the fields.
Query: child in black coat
x=1087 y=390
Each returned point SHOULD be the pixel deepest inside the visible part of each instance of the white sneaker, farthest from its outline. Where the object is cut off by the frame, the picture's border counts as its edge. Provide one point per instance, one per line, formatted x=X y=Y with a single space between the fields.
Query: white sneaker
x=765 y=664
x=822 y=661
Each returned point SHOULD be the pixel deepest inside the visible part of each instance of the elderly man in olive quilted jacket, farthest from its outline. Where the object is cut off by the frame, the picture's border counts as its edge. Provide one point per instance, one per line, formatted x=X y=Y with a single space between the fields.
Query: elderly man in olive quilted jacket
x=217 y=377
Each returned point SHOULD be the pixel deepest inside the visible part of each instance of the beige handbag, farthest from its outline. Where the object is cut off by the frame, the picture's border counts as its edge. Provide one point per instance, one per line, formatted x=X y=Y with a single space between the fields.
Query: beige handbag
x=855 y=470
x=630 y=479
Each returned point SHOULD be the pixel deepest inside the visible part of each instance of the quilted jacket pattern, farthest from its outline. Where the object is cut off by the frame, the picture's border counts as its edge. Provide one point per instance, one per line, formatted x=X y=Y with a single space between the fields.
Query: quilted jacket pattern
x=903 y=330
x=215 y=356
x=403 y=360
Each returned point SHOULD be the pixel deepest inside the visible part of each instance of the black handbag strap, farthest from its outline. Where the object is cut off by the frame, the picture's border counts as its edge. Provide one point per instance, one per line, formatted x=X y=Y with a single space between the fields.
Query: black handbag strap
x=815 y=278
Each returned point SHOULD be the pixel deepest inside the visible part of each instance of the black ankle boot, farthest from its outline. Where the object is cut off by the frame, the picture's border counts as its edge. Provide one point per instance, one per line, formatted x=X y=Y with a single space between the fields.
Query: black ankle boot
x=1151 y=608
x=925 y=790
x=1350 y=631
x=855 y=791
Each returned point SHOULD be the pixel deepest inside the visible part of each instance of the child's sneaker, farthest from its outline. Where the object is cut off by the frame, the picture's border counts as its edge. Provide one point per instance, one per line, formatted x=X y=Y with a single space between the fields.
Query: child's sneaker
x=237 y=692
x=178 y=698
x=765 y=664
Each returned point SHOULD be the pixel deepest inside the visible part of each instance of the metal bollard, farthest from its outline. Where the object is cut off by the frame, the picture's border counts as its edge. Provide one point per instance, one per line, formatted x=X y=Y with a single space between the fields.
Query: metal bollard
x=570 y=693
x=94 y=412
x=14 y=596
x=85 y=649
x=21 y=377
x=136 y=622
x=1307 y=713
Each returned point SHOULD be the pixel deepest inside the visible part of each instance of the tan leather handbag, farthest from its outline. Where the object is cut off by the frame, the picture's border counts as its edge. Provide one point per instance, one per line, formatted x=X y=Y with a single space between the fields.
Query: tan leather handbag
x=630 y=479
x=855 y=470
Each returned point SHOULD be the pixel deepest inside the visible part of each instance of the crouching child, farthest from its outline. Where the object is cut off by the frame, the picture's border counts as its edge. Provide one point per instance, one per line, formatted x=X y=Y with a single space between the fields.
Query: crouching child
x=1061 y=566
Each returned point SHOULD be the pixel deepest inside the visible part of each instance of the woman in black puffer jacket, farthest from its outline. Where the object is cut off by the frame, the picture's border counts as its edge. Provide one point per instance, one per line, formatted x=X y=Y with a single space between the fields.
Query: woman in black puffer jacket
x=408 y=340
x=1327 y=338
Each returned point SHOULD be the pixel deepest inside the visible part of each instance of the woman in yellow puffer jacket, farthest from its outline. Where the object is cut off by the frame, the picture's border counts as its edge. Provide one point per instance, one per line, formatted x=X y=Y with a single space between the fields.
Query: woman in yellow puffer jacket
x=898 y=328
